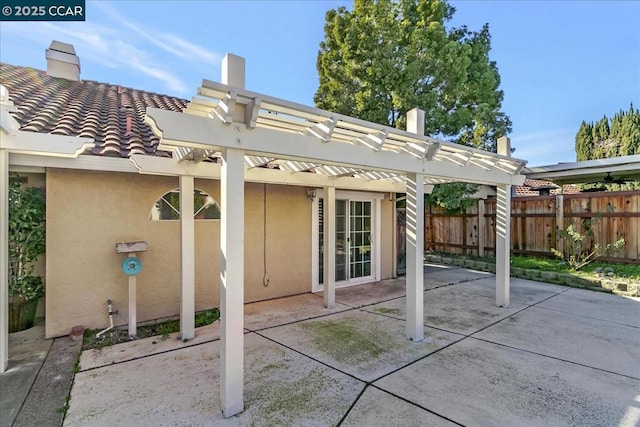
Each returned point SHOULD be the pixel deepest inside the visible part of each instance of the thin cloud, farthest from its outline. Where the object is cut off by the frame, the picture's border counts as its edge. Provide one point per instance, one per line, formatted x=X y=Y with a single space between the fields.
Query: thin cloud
x=553 y=133
x=103 y=45
x=170 y=43
x=545 y=147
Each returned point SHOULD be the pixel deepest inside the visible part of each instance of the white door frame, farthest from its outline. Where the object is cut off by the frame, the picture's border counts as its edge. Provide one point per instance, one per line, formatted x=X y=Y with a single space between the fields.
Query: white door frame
x=359 y=196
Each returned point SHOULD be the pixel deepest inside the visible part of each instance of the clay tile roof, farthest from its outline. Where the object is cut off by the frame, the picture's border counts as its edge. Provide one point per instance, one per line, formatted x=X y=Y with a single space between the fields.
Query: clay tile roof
x=532 y=187
x=86 y=108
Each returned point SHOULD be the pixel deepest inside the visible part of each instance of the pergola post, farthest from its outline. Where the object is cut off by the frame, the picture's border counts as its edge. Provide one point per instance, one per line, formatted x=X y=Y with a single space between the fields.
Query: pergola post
x=415 y=249
x=232 y=258
x=503 y=233
x=4 y=260
x=232 y=282
x=329 y=262
x=482 y=240
x=415 y=240
x=187 y=258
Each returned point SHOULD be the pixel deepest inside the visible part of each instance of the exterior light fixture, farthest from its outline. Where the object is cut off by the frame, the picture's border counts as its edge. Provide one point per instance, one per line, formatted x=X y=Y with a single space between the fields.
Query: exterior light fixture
x=311 y=194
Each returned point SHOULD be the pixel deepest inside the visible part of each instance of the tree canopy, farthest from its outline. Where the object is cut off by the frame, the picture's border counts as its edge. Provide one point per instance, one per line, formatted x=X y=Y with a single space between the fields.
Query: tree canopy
x=385 y=57
x=615 y=137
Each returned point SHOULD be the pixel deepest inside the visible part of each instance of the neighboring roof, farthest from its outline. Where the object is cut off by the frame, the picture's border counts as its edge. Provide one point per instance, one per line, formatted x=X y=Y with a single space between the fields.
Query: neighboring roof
x=625 y=167
x=112 y=115
x=532 y=187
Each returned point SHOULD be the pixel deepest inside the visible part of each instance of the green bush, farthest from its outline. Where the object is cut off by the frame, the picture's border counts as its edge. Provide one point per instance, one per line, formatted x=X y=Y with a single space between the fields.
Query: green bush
x=27 y=213
x=574 y=252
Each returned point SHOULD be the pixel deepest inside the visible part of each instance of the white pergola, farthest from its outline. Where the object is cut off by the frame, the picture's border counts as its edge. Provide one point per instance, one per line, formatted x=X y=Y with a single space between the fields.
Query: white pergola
x=254 y=137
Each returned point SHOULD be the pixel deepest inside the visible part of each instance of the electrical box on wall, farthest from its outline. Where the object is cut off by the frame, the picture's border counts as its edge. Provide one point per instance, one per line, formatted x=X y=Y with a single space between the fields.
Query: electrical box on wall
x=128 y=247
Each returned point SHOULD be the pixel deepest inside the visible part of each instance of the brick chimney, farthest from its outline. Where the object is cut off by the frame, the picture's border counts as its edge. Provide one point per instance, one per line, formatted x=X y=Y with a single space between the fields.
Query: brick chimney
x=62 y=61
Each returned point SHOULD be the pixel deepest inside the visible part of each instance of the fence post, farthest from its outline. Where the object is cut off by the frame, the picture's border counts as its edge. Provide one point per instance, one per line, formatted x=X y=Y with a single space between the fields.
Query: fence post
x=481 y=228
x=559 y=221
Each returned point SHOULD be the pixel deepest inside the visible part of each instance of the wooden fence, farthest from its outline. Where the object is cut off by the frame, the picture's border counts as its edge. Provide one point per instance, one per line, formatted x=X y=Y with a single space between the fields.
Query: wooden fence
x=534 y=224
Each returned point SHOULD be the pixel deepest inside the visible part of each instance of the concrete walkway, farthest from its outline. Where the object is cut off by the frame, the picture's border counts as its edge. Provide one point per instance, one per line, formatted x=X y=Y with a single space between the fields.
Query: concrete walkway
x=557 y=356
x=34 y=389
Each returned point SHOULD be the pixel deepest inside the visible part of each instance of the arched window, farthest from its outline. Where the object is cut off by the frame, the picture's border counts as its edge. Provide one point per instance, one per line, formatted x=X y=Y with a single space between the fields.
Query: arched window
x=167 y=207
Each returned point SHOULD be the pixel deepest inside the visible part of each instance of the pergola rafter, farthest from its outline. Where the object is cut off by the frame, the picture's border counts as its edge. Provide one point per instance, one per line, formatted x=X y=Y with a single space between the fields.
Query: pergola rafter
x=284 y=116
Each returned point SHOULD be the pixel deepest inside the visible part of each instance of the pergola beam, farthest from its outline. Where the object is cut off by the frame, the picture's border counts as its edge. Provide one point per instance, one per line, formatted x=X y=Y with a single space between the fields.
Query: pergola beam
x=180 y=129
x=164 y=166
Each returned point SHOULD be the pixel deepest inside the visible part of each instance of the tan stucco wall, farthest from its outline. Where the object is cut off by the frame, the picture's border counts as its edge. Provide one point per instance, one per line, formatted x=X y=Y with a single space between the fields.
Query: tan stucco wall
x=88 y=212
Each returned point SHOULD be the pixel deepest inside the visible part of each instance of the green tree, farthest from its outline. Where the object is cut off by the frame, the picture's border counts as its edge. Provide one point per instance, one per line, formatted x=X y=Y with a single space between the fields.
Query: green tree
x=384 y=57
x=27 y=214
x=584 y=141
x=618 y=136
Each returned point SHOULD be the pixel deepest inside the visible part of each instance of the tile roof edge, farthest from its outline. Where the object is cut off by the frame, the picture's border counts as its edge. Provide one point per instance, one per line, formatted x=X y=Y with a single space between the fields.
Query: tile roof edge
x=97 y=82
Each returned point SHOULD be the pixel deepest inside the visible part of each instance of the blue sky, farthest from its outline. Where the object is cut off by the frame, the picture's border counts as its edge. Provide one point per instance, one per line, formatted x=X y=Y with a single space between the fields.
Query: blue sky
x=561 y=62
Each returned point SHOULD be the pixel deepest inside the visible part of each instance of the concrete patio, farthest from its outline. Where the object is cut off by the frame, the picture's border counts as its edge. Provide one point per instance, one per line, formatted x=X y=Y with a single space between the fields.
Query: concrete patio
x=557 y=356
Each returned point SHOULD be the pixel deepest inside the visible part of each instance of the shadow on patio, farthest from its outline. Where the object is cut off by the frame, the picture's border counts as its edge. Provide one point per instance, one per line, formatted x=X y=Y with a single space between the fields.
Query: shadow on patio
x=556 y=356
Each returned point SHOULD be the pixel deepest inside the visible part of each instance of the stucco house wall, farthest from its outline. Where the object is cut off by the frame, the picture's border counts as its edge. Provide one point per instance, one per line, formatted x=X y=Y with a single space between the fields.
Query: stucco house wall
x=88 y=212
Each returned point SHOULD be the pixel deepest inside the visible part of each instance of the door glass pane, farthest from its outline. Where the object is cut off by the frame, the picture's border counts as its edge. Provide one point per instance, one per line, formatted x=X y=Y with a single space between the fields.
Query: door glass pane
x=360 y=236
x=353 y=240
x=342 y=246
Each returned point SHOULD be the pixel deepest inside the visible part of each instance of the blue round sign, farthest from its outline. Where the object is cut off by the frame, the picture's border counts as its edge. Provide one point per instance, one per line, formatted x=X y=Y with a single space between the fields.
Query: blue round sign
x=131 y=266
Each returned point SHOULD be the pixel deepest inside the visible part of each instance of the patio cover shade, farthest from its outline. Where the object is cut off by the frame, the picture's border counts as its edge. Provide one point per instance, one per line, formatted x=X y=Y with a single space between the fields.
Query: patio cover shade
x=297 y=138
x=625 y=167
x=245 y=131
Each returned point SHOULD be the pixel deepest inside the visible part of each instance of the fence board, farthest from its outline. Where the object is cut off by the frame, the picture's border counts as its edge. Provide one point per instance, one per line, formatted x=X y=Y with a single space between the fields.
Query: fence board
x=611 y=216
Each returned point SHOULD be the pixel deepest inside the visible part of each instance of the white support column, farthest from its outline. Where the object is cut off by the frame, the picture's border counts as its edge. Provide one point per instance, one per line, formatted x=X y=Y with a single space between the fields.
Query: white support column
x=415 y=250
x=187 y=259
x=394 y=235
x=415 y=240
x=329 y=263
x=232 y=282
x=503 y=234
x=4 y=260
x=503 y=245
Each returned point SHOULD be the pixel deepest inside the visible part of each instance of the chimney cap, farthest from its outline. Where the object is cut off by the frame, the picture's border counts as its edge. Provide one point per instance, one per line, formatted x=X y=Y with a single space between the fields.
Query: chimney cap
x=62 y=61
x=62 y=47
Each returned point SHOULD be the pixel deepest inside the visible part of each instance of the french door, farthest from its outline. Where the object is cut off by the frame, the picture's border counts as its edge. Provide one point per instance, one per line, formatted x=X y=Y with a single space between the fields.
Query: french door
x=356 y=250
